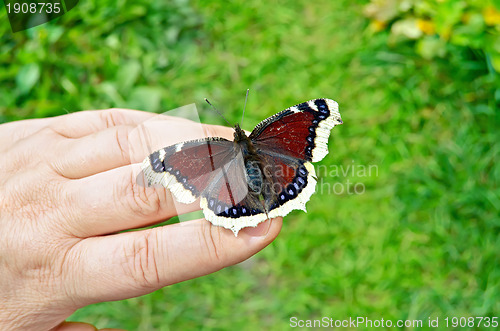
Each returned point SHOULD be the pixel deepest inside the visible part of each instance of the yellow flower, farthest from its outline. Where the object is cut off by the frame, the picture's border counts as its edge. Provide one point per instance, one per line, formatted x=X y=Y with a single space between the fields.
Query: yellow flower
x=491 y=15
x=426 y=27
x=377 y=25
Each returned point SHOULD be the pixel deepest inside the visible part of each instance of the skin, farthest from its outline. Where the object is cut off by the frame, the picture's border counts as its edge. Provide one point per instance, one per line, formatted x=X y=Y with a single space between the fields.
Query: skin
x=68 y=185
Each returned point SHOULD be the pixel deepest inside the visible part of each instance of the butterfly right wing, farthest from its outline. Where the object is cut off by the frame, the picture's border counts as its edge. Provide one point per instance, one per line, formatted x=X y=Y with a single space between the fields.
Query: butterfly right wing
x=290 y=182
x=300 y=131
x=287 y=143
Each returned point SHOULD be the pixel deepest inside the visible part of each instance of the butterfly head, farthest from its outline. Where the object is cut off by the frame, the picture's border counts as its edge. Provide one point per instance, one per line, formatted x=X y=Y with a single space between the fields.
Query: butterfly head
x=239 y=134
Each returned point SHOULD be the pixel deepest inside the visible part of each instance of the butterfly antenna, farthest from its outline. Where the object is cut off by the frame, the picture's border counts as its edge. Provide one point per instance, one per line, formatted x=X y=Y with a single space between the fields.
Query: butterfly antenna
x=245 y=106
x=218 y=112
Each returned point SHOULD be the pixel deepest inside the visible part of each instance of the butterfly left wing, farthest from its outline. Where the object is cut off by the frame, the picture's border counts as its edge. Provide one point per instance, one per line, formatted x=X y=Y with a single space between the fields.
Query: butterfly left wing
x=186 y=169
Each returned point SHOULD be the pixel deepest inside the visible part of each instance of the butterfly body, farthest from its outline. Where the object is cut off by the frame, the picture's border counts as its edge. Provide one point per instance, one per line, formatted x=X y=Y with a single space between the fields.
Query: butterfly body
x=253 y=171
x=243 y=182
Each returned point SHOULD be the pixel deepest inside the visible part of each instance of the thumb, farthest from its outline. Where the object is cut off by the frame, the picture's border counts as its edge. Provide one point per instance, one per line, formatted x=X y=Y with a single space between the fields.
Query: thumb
x=130 y=264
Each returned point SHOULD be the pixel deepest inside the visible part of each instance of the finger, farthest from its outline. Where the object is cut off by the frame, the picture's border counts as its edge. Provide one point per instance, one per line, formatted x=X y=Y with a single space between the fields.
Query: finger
x=12 y=132
x=135 y=263
x=73 y=125
x=83 y=123
x=126 y=144
x=89 y=155
x=74 y=326
x=117 y=200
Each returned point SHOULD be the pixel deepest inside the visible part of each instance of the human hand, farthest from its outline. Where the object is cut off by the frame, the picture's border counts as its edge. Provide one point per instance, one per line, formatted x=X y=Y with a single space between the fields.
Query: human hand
x=67 y=187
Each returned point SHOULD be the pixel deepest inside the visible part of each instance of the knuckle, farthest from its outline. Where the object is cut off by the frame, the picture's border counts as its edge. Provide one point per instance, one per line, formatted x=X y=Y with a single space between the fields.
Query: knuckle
x=111 y=117
x=141 y=265
x=14 y=162
x=31 y=195
x=122 y=135
x=51 y=133
x=48 y=131
x=141 y=200
x=211 y=239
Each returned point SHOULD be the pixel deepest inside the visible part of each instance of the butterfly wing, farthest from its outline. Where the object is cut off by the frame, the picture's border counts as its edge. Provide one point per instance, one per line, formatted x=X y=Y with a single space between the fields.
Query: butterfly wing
x=290 y=182
x=188 y=168
x=228 y=202
x=247 y=212
x=211 y=169
x=300 y=131
x=287 y=143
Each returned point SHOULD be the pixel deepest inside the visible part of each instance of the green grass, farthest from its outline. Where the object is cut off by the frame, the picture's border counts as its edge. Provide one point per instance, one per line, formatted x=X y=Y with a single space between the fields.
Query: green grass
x=422 y=240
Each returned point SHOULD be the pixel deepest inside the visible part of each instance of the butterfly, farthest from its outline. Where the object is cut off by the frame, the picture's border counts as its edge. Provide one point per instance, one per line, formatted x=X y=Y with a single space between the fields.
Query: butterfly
x=246 y=181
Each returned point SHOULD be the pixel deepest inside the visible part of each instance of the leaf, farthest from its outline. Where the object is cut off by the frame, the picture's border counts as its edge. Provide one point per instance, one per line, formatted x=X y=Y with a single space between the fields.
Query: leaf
x=27 y=77
x=127 y=75
x=495 y=61
x=430 y=47
x=108 y=89
x=145 y=98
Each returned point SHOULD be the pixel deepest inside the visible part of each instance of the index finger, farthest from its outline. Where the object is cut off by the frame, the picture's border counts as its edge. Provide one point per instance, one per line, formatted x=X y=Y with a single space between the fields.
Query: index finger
x=84 y=123
x=73 y=125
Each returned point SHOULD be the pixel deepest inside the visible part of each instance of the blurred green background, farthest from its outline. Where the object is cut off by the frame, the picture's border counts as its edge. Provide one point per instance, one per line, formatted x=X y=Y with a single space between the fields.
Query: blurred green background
x=418 y=88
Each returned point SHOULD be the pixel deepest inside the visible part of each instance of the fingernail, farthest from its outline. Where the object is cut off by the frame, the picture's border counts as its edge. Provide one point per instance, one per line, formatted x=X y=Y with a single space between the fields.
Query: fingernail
x=260 y=230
